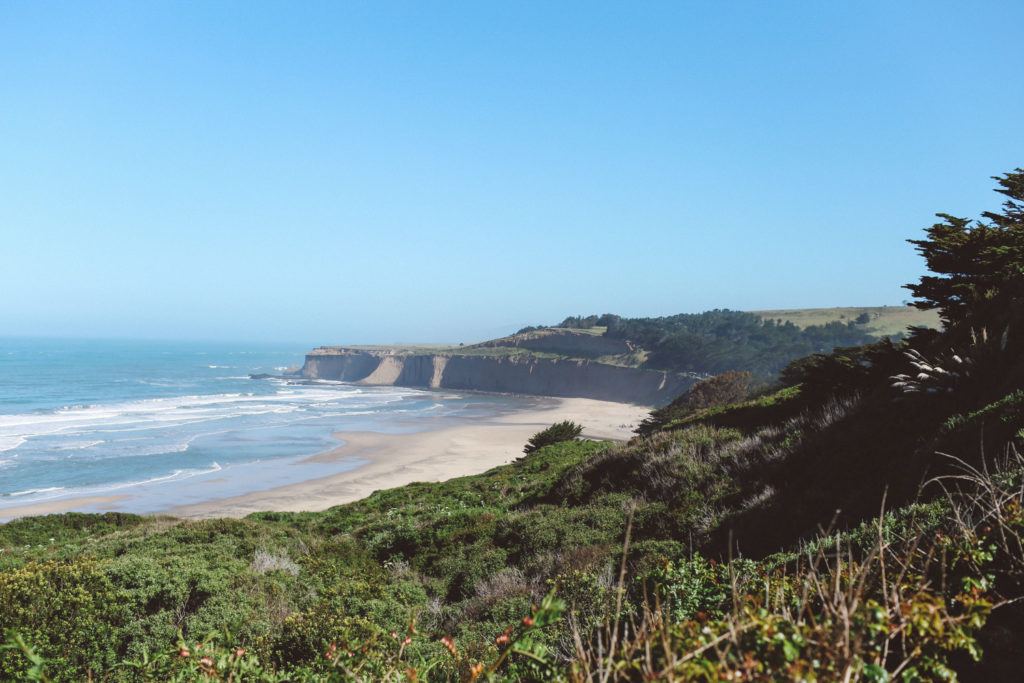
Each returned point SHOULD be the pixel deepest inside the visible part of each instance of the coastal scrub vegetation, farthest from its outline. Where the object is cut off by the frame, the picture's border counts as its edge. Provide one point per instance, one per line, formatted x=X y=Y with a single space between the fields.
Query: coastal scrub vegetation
x=862 y=519
x=567 y=430
x=721 y=340
x=717 y=390
x=718 y=341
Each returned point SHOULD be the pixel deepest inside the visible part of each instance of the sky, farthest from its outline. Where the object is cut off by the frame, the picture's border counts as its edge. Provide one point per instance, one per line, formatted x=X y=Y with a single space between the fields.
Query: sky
x=349 y=172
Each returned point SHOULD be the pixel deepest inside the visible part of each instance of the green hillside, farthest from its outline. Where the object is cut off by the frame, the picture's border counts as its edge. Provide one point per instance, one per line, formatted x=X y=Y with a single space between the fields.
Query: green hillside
x=711 y=342
x=703 y=343
x=861 y=520
x=883 y=321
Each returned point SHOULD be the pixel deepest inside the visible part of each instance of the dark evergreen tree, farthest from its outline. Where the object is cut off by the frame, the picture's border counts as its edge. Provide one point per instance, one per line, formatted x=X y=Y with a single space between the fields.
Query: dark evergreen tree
x=560 y=431
x=978 y=269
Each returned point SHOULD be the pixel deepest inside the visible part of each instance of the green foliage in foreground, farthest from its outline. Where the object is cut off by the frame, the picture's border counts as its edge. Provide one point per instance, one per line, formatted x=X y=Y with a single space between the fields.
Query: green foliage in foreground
x=556 y=433
x=531 y=571
x=455 y=559
x=908 y=594
x=784 y=536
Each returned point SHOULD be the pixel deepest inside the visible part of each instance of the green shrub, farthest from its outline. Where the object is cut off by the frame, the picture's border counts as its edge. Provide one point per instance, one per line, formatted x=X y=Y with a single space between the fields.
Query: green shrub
x=70 y=612
x=558 y=432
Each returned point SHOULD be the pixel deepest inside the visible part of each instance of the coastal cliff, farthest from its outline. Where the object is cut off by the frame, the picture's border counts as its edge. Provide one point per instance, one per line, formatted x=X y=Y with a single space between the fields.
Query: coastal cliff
x=511 y=373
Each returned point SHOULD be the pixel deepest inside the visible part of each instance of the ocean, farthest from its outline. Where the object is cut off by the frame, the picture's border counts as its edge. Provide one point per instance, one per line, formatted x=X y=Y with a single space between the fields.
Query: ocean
x=161 y=424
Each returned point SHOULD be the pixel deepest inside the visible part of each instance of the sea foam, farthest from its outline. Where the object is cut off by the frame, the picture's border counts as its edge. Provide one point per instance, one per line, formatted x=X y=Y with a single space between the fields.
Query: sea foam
x=165 y=426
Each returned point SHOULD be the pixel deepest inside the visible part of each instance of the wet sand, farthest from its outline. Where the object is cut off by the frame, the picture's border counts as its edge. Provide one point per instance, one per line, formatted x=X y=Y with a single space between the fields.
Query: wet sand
x=51 y=507
x=392 y=460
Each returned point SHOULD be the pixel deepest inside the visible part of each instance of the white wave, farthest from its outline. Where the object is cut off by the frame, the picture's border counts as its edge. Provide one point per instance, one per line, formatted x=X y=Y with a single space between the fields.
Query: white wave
x=176 y=475
x=77 y=445
x=220 y=367
x=22 y=424
x=168 y=425
x=76 y=406
x=155 y=449
x=60 y=491
x=124 y=448
x=347 y=413
x=29 y=492
x=10 y=442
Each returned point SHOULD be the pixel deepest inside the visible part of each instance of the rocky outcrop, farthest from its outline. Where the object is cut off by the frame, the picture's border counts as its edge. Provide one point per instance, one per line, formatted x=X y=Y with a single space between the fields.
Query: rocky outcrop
x=517 y=374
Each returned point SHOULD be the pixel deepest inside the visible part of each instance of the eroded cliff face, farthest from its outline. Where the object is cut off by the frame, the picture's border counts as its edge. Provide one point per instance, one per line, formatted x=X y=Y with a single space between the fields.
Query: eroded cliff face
x=505 y=374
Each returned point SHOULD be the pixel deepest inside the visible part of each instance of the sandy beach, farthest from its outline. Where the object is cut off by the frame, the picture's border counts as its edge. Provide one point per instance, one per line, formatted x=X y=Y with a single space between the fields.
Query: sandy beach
x=398 y=459
x=53 y=507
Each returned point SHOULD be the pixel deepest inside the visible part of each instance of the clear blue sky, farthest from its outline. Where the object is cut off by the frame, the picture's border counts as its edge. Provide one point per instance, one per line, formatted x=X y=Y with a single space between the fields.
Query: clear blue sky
x=353 y=172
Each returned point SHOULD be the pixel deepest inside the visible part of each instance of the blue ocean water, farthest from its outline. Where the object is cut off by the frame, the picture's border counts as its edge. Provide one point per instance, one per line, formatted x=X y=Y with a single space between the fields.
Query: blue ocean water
x=165 y=424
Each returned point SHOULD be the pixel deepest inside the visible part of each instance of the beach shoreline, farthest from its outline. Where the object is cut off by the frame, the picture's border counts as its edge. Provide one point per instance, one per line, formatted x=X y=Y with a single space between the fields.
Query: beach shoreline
x=60 y=505
x=458 y=447
x=394 y=460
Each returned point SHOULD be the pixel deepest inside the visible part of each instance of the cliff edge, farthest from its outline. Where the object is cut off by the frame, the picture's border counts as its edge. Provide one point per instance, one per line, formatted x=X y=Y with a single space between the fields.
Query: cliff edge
x=504 y=371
